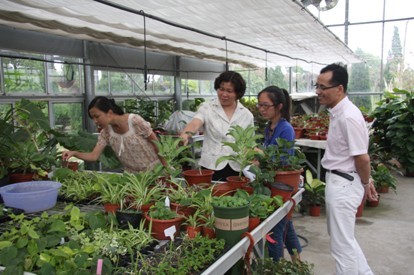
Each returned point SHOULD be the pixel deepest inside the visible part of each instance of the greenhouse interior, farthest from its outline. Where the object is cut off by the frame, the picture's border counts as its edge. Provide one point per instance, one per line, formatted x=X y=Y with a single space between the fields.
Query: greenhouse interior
x=122 y=102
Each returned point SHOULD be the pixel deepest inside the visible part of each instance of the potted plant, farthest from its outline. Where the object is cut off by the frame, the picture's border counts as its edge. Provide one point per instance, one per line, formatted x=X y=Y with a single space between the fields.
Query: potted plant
x=194 y=226
x=27 y=146
x=161 y=218
x=314 y=194
x=174 y=155
x=208 y=221
x=244 y=146
x=285 y=160
x=232 y=218
x=383 y=179
x=141 y=190
x=393 y=129
x=111 y=191
x=78 y=187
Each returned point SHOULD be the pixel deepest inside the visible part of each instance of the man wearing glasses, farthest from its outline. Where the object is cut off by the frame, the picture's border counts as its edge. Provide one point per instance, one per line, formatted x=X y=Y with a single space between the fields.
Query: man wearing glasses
x=348 y=168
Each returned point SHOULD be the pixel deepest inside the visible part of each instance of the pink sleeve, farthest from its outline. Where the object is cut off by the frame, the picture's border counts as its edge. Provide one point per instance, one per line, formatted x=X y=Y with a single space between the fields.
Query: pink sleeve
x=103 y=137
x=141 y=126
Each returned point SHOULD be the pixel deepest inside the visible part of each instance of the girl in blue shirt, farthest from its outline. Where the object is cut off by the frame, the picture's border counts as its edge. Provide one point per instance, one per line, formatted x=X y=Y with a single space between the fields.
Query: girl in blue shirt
x=274 y=104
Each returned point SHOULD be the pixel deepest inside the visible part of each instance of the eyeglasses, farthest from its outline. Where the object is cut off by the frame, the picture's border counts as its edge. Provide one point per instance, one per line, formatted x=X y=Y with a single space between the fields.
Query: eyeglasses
x=323 y=88
x=264 y=106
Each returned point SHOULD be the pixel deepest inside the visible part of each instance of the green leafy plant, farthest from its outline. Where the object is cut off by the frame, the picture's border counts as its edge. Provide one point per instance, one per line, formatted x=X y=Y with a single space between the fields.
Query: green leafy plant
x=282 y=157
x=174 y=155
x=260 y=205
x=77 y=186
x=383 y=177
x=160 y=212
x=141 y=187
x=26 y=140
x=314 y=190
x=41 y=244
x=283 y=267
x=393 y=130
x=111 y=188
x=227 y=201
x=244 y=146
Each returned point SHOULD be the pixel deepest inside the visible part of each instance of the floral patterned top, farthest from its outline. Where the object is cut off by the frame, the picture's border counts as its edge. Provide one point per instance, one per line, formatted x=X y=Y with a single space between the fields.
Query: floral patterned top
x=133 y=149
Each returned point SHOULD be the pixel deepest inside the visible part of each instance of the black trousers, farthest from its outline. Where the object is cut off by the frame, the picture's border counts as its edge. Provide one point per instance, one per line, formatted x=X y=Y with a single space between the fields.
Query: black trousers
x=221 y=175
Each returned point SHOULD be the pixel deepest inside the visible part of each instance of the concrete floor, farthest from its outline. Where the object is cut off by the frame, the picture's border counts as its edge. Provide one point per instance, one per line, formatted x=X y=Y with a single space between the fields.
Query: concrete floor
x=385 y=234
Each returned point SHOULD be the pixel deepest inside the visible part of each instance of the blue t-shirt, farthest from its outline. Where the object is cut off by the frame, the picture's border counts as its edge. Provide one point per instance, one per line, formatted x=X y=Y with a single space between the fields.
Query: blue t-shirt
x=283 y=130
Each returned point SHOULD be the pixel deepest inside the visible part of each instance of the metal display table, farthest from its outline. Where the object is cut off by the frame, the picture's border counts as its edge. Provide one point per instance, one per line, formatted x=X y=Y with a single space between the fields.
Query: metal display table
x=313 y=146
x=238 y=251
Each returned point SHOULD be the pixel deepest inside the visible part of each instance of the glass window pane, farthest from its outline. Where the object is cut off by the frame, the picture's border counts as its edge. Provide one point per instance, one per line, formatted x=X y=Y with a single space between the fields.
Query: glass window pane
x=189 y=87
x=120 y=83
x=4 y=108
x=101 y=79
x=207 y=87
x=161 y=84
x=364 y=11
x=138 y=84
x=23 y=76
x=65 y=78
x=68 y=117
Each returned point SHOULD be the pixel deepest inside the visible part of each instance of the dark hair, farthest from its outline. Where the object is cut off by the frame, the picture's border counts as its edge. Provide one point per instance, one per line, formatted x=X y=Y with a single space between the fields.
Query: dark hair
x=339 y=74
x=105 y=104
x=234 y=78
x=278 y=95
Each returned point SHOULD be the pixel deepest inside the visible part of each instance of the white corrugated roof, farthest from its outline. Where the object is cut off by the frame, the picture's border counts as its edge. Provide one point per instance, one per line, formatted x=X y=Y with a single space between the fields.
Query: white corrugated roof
x=281 y=26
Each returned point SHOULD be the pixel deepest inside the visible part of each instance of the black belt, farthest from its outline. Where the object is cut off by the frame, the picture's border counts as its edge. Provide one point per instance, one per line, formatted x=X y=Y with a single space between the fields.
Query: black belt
x=342 y=174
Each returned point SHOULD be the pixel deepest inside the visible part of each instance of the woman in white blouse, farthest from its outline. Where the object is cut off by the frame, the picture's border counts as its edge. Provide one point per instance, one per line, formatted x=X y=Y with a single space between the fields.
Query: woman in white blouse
x=215 y=118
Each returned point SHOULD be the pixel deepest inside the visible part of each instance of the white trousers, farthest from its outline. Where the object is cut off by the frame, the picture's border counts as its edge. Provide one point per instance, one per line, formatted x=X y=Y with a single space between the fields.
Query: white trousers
x=342 y=199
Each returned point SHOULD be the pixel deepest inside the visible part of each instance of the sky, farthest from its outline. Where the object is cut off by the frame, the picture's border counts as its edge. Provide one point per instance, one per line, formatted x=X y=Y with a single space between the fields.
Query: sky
x=368 y=36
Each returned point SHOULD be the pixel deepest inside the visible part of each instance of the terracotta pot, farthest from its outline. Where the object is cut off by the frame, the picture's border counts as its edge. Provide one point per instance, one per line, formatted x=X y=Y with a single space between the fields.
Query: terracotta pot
x=291 y=178
x=145 y=208
x=314 y=210
x=374 y=203
x=197 y=176
x=186 y=210
x=237 y=181
x=299 y=132
x=209 y=232
x=253 y=223
x=383 y=189
x=111 y=207
x=73 y=165
x=223 y=189
x=158 y=226
x=20 y=177
x=314 y=137
x=281 y=189
x=192 y=231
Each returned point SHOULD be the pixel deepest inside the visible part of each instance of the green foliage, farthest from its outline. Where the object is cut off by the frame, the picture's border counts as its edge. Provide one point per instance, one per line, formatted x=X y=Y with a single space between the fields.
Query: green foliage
x=160 y=212
x=283 y=267
x=174 y=154
x=394 y=128
x=283 y=156
x=76 y=186
x=244 y=145
x=111 y=188
x=142 y=188
x=314 y=190
x=190 y=256
x=35 y=245
x=26 y=140
x=227 y=201
x=383 y=178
